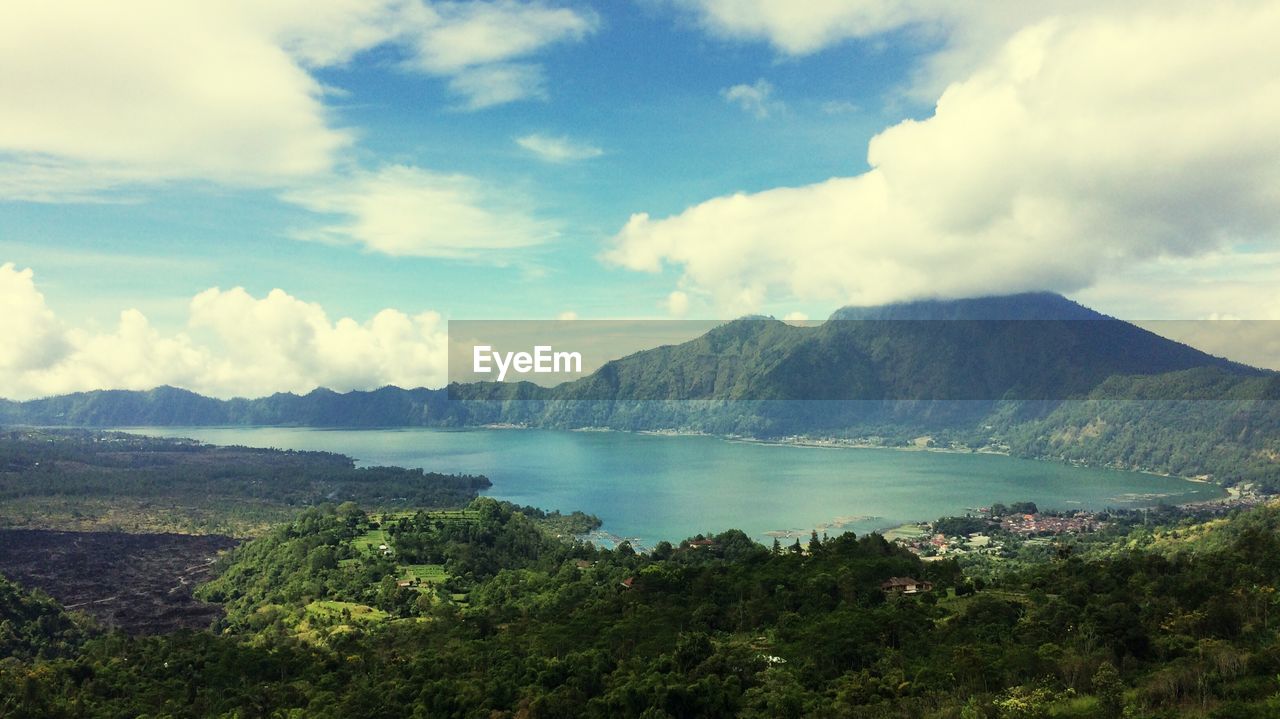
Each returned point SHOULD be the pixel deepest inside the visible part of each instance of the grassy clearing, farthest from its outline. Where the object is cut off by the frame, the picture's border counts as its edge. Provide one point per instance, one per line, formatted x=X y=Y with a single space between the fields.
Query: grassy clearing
x=448 y=516
x=455 y=516
x=423 y=573
x=328 y=610
x=371 y=540
x=905 y=531
x=957 y=604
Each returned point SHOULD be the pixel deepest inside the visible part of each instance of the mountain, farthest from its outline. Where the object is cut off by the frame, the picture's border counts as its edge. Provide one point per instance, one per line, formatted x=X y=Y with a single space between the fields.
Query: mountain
x=1028 y=346
x=1022 y=306
x=171 y=406
x=1036 y=374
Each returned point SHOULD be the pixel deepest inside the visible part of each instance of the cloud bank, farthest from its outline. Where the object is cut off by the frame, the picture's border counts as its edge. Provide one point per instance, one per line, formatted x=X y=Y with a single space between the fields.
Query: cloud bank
x=225 y=91
x=235 y=345
x=1088 y=143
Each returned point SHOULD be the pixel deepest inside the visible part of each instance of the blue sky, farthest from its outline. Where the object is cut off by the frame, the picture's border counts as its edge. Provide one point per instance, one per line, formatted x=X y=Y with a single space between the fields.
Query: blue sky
x=788 y=158
x=645 y=88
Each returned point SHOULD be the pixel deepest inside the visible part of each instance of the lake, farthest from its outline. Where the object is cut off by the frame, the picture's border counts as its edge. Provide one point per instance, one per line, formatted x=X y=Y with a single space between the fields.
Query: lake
x=650 y=487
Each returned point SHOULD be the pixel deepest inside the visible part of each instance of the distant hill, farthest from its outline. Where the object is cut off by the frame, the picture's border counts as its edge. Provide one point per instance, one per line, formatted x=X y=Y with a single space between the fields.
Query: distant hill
x=1034 y=373
x=1028 y=346
x=171 y=406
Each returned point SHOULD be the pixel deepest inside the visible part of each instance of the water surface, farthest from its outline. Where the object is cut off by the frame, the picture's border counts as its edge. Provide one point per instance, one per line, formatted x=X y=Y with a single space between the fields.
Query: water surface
x=671 y=487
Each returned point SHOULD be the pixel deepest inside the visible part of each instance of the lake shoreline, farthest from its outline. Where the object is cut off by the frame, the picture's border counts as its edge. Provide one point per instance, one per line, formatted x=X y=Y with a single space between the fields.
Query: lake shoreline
x=646 y=490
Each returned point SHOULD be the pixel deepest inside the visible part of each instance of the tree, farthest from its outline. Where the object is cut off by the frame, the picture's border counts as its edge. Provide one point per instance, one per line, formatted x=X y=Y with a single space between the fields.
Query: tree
x=1109 y=690
x=815 y=544
x=662 y=551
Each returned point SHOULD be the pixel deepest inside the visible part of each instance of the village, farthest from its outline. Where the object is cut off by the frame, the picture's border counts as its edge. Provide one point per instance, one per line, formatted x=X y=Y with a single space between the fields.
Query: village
x=999 y=530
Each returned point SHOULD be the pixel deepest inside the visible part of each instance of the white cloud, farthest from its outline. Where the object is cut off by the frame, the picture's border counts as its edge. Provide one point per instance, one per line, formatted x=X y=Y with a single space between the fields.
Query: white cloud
x=795 y=317
x=100 y=95
x=407 y=211
x=280 y=342
x=558 y=149
x=237 y=345
x=498 y=84
x=677 y=304
x=803 y=28
x=477 y=44
x=192 y=91
x=959 y=33
x=1085 y=145
x=452 y=36
x=1239 y=284
x=567 y=315
x=756 y=99
x=33 y=337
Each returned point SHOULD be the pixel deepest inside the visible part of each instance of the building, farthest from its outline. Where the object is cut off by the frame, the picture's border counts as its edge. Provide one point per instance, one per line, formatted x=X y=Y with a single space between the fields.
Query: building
x=905 y=585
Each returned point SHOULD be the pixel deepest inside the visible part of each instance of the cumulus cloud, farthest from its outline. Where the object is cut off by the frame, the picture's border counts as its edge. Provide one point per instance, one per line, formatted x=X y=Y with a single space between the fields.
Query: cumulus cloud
x=408 y=211
x=803 y=28
x=235 y=345
x=958 y=33
x=756 y=99
x=281 y=341
x=33 y=337
x=192 y=92
x=224 y=91
x=558 y=149
x=1086 y=144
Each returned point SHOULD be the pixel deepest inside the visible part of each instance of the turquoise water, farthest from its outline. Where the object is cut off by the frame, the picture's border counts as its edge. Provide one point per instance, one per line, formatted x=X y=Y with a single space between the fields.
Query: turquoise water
x=670 y=487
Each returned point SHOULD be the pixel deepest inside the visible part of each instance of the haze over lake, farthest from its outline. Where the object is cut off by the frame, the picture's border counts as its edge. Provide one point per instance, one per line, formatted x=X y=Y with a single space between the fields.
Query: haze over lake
x=671 y=487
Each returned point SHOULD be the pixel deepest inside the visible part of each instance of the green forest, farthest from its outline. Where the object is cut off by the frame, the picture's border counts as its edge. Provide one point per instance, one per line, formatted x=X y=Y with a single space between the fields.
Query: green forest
x=386 y=592
x=99 y=480
x=507 y=620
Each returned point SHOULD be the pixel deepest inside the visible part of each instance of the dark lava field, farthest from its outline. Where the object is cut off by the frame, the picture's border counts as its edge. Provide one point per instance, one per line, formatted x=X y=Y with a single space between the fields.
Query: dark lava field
x=138 y=583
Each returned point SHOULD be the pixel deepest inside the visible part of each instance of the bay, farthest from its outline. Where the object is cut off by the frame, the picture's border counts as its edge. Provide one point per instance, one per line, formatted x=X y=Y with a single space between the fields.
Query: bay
x=650 y=487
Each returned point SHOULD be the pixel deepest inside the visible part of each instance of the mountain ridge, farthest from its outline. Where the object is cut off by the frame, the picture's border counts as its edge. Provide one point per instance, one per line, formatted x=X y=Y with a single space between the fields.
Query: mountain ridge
x=1039 y=384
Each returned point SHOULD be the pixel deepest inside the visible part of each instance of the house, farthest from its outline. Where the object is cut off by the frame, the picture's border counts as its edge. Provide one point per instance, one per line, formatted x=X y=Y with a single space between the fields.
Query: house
x=905 y=585
x=626 y=583
x=405 y=583
x=582 y=564
x=699 y=543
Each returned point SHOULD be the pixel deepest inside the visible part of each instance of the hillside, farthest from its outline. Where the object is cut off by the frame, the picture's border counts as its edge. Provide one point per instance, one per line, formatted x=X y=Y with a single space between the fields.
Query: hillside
x=1133 y=620
x=1036 y=374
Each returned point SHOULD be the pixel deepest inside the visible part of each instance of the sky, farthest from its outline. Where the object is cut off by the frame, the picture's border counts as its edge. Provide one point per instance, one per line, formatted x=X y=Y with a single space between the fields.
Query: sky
x=255 y=196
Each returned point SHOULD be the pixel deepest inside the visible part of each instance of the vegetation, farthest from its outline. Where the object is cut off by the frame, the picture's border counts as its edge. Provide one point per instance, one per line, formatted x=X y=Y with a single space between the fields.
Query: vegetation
x=92 y=480
x=33 y=626
x=1177 y=620
x=1034 y=375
